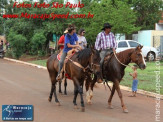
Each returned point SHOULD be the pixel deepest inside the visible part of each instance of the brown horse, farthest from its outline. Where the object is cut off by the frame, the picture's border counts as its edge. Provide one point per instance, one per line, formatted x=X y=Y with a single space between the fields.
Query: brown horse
x=114 y=70
x=86 y=57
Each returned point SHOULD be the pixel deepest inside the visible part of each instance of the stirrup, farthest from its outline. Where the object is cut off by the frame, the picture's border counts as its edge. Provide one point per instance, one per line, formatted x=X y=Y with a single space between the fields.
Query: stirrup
x=58 y=78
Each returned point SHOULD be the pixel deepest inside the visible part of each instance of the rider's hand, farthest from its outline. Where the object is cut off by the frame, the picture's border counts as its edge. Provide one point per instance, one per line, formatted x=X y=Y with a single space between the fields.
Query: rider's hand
x=114 y=50
x=80 y=48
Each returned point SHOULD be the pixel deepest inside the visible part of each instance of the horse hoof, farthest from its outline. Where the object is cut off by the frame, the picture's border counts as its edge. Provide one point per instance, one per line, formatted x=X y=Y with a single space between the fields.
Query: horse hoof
x=60 y=92
x=76 y=107
x=111 y=107
x=49 y=99
x=125 y=111
x=89 y=103
x=58 y=104
x=82 y=109
x=91 y=96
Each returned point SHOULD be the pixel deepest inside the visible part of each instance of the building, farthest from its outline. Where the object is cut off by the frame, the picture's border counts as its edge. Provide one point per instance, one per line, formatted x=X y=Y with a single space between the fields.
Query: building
x=159 y=25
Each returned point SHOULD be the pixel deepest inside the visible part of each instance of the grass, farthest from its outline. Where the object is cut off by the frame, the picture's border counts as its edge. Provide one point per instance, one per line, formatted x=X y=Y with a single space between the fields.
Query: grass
x=39 y=62
x=147 y=77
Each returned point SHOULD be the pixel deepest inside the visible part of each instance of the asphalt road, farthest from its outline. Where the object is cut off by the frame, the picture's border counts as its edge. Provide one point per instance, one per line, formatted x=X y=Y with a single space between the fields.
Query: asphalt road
x=25 y=85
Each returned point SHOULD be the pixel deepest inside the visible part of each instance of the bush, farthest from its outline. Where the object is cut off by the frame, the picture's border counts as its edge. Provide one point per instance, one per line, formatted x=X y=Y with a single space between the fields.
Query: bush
x=9 y=53
x=37 y=44
x=17 y=43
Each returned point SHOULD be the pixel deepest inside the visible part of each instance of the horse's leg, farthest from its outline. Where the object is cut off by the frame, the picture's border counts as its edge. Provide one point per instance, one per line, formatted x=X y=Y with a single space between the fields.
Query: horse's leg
x=65 y=85
x=60 y=91
x=75 y=96
x=76 y=82
x=111 y=96
x=51 y=93
x=87 y=84
x=92 y=85
x=52 y=77
x=120 y=96
x=55 y=95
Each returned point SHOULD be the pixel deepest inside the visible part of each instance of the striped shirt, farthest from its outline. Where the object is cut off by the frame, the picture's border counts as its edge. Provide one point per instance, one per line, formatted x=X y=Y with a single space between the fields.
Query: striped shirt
x=104 y=41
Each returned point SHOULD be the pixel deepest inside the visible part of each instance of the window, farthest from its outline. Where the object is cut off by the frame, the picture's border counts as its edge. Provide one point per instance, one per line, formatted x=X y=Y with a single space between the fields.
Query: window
x=133 y=44
x=122 y=44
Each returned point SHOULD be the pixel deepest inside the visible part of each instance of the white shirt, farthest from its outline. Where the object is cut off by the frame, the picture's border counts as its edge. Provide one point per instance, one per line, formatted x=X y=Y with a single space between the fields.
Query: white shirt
x=82 y=41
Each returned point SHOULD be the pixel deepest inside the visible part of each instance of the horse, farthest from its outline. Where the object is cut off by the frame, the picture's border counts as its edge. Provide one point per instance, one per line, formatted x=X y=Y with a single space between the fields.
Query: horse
x=114 y=70
x=87 y=58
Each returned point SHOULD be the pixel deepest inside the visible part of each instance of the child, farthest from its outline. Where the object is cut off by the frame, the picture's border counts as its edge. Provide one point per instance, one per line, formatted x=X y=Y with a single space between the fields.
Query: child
x=135 y=81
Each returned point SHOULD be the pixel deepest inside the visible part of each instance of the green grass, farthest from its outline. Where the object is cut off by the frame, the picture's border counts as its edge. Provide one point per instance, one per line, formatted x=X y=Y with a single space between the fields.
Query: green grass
x=147 y=77
x=39 y=62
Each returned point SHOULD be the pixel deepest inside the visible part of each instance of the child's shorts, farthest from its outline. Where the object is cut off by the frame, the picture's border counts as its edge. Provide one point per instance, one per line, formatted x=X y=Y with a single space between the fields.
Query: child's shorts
x=134 y=85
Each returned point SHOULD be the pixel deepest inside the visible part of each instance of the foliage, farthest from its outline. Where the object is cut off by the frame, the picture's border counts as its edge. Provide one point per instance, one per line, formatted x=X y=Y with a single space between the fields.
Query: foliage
x=38 y=32
x=37 y=43
x=148 y=12
x=17 y=43
x=120 y=15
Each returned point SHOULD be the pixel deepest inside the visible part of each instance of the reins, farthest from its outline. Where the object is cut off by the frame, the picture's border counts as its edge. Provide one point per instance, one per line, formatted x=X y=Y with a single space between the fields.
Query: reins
x=120 y=62
x=79 y=65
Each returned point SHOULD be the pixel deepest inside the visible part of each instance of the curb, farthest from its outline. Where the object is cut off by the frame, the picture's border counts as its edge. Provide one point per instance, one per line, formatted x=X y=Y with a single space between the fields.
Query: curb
x=26 y=63
x=139 y=91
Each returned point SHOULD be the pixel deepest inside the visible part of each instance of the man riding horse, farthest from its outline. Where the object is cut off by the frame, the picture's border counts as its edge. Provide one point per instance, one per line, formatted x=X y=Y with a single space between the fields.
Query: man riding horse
x=70 y=39
x=105 y=42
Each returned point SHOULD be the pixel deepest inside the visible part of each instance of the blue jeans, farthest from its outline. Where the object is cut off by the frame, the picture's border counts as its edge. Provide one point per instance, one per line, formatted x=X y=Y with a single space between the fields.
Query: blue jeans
x=103 y=53
x=64 y=54
x=134 y=85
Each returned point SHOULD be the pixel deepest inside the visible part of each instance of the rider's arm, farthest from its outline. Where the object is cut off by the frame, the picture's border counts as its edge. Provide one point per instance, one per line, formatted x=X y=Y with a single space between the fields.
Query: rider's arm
x=72 y=46
x=114 y=43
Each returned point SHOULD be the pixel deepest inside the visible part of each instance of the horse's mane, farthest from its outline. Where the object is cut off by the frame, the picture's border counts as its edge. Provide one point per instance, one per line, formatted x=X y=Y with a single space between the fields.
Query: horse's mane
x=125 y=53
x=84 y=54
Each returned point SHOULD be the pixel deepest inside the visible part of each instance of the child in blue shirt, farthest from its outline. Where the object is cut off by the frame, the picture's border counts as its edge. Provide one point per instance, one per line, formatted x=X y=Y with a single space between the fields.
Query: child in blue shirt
x=135 y=81
x=70 y=39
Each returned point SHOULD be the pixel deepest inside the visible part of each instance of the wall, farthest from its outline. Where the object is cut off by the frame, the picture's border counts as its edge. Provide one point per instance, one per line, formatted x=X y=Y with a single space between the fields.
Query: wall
x=145 y=37
x=120 y=36
x=158 y=26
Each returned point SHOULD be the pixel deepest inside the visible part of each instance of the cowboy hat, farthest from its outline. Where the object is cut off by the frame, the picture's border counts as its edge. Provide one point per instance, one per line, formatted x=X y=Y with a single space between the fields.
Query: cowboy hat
x=106 y=25
x=66 y=31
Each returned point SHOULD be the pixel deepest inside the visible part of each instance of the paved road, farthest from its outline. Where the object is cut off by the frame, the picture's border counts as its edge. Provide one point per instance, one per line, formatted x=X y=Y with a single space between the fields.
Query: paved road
x=22 y=84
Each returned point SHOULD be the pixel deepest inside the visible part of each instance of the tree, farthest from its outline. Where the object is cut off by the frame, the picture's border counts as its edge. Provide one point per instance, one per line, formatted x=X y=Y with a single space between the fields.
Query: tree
x=120 y=15
x=148 y=12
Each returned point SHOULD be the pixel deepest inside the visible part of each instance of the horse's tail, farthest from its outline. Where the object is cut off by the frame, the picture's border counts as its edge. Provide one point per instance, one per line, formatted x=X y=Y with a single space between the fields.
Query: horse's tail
x=107 y=85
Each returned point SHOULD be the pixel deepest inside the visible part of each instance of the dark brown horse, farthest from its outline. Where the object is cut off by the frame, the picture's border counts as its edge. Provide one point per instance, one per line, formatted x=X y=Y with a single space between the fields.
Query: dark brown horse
x=86 y=57
x=114 y=70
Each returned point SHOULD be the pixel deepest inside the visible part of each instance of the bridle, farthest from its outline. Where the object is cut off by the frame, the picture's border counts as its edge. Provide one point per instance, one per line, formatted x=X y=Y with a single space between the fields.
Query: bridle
x=121 y=62
x=93 y=64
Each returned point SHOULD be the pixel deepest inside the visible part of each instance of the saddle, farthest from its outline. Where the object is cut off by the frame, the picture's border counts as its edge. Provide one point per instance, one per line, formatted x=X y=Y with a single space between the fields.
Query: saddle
x=69 y=56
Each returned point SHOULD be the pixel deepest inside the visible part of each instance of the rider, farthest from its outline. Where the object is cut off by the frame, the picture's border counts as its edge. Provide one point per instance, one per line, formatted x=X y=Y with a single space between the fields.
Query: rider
x=70 y=39
x=105 y=42
x=81 y=38
x=62 y=40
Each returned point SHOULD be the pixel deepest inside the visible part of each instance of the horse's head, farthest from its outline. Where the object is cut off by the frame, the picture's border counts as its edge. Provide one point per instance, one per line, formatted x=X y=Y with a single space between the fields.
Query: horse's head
x=95 y=64
x=138 y=58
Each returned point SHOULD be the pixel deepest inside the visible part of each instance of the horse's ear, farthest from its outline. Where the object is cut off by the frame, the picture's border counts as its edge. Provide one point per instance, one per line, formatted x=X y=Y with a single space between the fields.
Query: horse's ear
x=141 y=47
x=138 y=47
x=93 y=49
